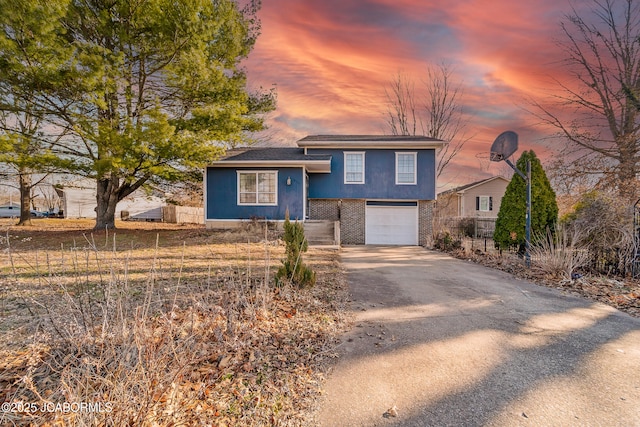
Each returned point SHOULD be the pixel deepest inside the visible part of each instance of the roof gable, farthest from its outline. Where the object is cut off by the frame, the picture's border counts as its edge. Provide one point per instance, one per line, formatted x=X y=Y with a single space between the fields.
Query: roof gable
x=463 y=188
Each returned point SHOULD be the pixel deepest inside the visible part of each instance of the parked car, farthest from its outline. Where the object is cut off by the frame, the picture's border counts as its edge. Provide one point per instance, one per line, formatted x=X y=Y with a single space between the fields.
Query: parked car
x=13 y=211
x=9 y=211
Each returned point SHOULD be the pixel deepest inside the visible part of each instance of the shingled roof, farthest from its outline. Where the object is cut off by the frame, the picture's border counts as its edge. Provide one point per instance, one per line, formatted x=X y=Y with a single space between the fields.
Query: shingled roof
x=388 y=138
x=462 y=188
x=371 y=141
x=272 y=154
x=275 y=157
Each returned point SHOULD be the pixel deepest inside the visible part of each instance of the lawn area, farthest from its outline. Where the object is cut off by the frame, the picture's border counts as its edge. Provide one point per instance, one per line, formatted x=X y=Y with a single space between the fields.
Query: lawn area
x=160 y=324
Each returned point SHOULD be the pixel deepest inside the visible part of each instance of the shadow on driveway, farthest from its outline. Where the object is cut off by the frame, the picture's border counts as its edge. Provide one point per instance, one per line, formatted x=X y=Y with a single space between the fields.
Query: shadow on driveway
x=449 y=342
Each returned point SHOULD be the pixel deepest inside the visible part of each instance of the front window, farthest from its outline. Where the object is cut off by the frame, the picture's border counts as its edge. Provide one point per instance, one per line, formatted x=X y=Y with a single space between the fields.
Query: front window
x=258 y=188
x=405 y=168
x=354 y=168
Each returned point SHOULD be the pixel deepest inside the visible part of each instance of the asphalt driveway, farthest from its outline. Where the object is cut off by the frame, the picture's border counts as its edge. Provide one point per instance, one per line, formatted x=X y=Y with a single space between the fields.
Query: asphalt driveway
x=451 y=343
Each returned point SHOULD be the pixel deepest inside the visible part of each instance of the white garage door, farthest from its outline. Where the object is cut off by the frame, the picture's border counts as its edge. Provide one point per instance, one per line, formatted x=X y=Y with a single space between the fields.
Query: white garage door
x=391 y=225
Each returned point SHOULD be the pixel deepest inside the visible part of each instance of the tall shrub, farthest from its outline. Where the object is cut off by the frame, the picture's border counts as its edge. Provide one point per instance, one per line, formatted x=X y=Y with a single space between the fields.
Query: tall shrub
x=293 y=268
x=606 y=226
x=510 y=225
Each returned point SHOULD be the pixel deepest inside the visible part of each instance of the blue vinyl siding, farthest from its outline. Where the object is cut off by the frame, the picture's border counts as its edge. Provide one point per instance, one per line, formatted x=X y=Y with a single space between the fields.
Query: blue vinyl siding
x=222 y=195
x=380 y=177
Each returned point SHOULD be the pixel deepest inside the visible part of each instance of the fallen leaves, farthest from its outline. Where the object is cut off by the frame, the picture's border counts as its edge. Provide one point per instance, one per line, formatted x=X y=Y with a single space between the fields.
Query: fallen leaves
x=223 y=349
x=391 y=412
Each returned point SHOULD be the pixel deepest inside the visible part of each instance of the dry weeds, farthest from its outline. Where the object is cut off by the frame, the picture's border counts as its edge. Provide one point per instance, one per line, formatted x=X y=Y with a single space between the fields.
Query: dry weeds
x=160 y=325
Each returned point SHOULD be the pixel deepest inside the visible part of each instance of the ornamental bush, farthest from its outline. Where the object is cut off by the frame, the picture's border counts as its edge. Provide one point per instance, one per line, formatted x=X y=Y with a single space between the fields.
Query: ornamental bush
x=293 y=268
x=510 y=225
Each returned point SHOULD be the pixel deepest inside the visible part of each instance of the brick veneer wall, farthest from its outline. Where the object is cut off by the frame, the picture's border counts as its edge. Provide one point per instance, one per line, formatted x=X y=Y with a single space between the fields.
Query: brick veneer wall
x=425 y=222
x=326 y=209
x=352 y=226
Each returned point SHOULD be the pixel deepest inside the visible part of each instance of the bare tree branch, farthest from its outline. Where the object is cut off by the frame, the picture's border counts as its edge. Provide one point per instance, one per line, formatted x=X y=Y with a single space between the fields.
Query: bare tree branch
x=439 y=116
x=598 y=112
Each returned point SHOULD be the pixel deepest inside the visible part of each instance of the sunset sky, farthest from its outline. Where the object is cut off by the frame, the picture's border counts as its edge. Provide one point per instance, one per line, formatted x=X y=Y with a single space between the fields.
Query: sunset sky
x=331 y=61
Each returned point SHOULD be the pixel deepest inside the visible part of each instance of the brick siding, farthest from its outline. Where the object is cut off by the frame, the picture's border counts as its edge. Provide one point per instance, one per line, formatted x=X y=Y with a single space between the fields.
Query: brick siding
x=352 y=226
x=326 y=209
x=425 y=222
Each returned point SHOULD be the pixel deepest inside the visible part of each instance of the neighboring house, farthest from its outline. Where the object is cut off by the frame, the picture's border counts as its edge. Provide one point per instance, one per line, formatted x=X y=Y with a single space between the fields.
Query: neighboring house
x=380 y=188
x=480 y=199
x=78 y=200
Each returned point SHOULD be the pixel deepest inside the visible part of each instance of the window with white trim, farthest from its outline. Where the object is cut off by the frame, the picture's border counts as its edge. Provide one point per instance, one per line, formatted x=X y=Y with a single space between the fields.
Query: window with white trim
x=484 y=203
x=406 y=168
x=257 y=188
x=354 y=168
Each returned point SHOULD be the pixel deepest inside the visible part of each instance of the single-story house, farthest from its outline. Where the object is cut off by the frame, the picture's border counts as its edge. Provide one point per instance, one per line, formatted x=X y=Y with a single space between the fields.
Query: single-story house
x=381 y=189
x=480 y=199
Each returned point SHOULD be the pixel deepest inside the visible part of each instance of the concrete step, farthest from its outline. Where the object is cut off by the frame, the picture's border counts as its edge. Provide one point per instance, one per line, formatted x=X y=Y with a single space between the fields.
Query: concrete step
x=319 y=232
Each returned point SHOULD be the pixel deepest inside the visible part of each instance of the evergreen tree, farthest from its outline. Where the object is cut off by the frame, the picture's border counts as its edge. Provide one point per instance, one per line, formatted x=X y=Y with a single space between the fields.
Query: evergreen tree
x=144 y=90
x=510 y=226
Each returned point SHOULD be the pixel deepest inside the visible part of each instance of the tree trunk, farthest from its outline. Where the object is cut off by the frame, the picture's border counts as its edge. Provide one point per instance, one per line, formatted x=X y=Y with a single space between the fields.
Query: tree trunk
x=107 y=200
x=627 y=173
x=25 y=199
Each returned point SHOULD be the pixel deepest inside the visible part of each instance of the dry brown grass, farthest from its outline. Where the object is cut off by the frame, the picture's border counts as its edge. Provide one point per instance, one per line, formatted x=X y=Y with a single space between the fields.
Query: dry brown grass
x=160 y=325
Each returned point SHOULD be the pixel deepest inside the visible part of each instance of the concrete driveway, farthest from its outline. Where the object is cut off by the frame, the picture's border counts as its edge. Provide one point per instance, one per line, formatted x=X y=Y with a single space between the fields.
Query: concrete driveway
x=451 y=343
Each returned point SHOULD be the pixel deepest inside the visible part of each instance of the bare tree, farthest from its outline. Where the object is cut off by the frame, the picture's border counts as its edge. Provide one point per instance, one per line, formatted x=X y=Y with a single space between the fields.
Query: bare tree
x=439 y=116
x=596 y=113
x=402 y=117
x=25 y=152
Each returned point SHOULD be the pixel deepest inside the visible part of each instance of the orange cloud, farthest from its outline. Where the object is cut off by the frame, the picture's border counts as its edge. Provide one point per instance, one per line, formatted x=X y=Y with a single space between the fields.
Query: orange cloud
x=331 y=61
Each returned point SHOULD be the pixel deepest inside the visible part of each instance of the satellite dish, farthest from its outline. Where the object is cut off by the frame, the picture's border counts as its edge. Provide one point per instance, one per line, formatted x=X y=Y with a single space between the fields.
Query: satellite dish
x=504 y=146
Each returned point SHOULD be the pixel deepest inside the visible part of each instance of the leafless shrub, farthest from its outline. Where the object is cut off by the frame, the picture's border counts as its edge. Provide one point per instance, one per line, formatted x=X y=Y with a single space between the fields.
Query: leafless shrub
x=559 y=253
x=605 y=226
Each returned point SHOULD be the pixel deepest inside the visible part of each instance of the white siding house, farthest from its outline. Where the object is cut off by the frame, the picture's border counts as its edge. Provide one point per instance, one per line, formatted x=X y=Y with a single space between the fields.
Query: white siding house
x=479 y=199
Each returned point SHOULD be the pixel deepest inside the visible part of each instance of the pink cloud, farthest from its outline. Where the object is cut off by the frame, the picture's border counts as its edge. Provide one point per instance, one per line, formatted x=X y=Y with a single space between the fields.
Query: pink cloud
x=331 y=61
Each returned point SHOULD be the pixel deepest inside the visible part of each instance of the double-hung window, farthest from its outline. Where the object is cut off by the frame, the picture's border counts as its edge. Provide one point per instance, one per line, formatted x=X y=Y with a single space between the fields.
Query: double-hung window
x=354 y=168
x=257 y=188
x=484 y=203
x=406 y=168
